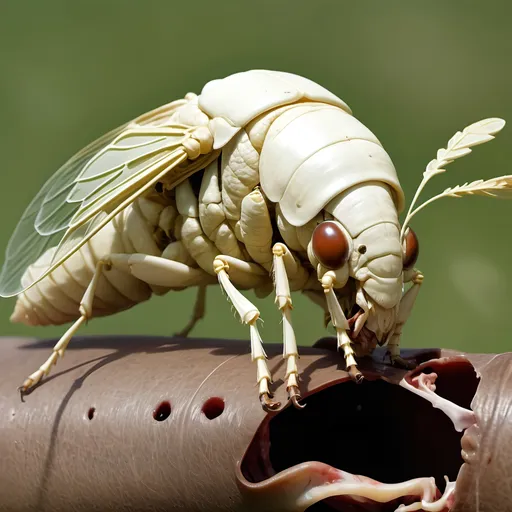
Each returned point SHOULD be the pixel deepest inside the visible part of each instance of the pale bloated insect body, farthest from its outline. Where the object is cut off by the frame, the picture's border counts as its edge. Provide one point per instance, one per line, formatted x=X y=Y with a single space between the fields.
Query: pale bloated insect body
x=191 y=225
x=265 y=181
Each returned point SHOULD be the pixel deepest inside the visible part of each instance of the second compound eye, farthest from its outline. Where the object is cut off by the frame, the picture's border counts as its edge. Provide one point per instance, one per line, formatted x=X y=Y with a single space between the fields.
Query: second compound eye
x=412 y=249
x=330 y=245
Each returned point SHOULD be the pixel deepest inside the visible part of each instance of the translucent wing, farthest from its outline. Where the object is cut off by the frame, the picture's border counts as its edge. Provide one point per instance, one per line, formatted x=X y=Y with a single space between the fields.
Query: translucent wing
x=91 y=188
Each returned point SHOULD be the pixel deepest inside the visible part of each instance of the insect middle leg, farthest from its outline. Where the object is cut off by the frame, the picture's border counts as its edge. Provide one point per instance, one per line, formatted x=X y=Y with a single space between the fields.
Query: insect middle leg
x=285 y=266
x=249 y=314
x=150 y=269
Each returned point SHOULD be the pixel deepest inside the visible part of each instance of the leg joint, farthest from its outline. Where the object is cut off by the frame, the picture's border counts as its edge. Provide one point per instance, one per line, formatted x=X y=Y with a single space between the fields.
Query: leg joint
x=219 y=264
x=279 y=249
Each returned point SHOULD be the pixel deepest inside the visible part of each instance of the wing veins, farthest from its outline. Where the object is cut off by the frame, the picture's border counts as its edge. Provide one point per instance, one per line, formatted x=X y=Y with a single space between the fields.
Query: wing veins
x=52 y=227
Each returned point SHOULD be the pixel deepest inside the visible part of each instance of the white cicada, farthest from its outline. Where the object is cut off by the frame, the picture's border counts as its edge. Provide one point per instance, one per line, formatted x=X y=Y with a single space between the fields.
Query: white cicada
x=264 y=181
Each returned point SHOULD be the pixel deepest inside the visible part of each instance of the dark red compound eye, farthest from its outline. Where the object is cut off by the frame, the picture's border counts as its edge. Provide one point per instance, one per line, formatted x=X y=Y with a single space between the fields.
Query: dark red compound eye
x=330 y=245
x=412 y=249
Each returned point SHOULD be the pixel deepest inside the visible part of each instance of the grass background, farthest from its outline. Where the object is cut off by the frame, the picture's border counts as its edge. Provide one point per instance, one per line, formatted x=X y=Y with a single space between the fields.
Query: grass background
x=413 y=72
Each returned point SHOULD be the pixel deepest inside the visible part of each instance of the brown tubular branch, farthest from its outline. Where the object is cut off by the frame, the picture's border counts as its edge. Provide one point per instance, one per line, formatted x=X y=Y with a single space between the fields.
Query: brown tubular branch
x=138 y=423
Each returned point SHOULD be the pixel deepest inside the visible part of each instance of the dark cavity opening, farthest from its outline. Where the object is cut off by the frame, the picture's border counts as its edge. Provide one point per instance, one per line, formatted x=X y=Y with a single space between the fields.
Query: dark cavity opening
x=90 y=413
x=375 y=429
x=213 y=407
x=163 y=411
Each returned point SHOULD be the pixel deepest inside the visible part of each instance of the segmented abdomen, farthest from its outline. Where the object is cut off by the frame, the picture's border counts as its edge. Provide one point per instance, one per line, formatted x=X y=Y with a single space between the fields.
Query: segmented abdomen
x=55 y=299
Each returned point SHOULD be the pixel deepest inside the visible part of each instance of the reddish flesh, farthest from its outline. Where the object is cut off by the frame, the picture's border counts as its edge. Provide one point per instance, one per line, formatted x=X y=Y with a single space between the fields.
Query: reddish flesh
x=267 y=459
x=365 y=341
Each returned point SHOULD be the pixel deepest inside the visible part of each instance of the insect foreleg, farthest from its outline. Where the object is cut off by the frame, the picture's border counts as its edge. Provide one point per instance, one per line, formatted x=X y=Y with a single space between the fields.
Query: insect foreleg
x=404 y=311
x=60 y=347
x=284 y=265
x=249 y=315
x=339 y=321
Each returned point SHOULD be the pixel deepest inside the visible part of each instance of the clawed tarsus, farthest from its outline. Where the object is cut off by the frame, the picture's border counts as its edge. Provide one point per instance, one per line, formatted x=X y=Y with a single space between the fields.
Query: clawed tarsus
x=355 y=374
x=268 y=404
x=294 y=397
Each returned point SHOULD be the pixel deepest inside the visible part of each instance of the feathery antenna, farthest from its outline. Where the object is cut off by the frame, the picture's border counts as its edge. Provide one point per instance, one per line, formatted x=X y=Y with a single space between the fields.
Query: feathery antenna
x=458 y=146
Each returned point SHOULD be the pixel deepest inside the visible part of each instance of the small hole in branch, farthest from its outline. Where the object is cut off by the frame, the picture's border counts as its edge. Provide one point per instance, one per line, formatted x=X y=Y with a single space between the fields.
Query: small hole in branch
x=163 y=411
x=213 y=407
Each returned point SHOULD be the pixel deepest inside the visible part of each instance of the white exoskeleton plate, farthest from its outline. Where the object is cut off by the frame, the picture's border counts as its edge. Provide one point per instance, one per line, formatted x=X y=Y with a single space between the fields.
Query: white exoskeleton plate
x=265 y=180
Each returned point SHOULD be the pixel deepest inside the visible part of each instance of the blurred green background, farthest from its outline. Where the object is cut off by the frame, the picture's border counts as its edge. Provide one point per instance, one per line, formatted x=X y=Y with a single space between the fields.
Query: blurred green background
x=413 y=72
